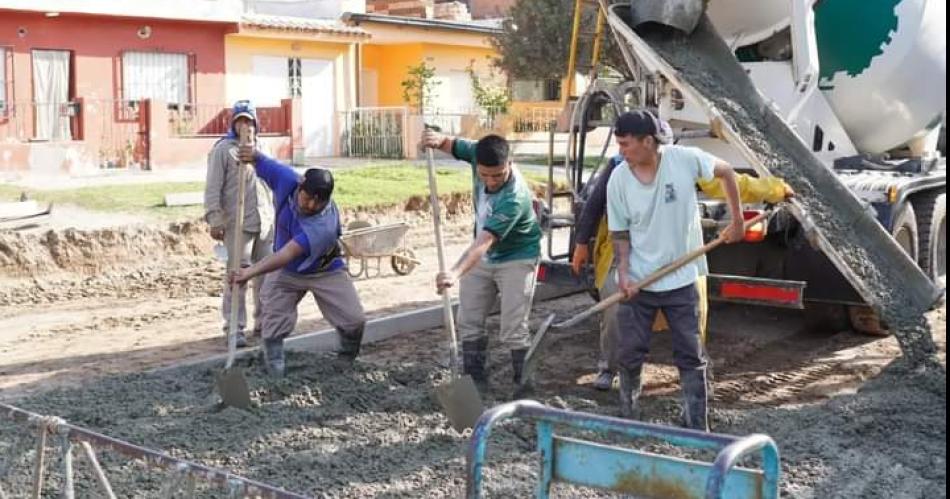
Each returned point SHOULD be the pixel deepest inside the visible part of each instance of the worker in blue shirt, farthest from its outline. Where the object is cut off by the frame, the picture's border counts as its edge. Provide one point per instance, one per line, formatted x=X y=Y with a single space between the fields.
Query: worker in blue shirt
x=307 y=258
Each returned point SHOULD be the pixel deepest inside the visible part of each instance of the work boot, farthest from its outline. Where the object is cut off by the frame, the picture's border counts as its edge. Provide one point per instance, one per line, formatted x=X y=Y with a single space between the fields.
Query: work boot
x=350 y=343
x=695 y=405
x=474 y=358
x=604 y=380
x=518 y=358
x=274 y=361
x=241 y=340
x=631 y=385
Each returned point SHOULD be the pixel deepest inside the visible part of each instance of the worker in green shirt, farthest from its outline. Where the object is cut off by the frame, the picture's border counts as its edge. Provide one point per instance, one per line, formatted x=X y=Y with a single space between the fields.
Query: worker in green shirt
x=502 y=262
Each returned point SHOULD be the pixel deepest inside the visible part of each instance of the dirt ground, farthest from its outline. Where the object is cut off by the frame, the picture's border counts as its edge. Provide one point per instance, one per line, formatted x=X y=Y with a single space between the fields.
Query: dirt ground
x=75 y=338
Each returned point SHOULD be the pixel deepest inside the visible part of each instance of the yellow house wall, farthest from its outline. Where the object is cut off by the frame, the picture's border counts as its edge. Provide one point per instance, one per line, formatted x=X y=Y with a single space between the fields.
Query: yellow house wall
x=240 y=49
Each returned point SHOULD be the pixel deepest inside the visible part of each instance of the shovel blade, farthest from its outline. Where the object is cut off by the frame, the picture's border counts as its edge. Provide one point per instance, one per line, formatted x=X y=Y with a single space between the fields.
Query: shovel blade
x=460 y=402
x=233 y=388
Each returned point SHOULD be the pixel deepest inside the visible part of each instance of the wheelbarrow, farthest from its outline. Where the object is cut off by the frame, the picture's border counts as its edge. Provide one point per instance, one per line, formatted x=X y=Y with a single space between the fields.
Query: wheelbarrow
x=362 y=245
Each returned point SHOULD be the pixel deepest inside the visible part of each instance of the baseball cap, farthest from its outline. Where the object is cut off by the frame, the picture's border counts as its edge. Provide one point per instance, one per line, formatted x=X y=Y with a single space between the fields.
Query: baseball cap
x=642 y=122
x=318 y=182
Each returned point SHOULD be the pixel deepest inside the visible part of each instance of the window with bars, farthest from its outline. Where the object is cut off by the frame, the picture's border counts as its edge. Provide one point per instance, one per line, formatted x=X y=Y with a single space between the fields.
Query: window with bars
x=6 y=80
x=296 y=76
x=157 y=75
x=535 y=90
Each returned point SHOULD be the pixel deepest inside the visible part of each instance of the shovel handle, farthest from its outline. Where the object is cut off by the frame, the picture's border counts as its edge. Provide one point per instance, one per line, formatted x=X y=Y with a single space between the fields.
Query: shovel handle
x=448 y=318
x=237 y=250
x=656 y=276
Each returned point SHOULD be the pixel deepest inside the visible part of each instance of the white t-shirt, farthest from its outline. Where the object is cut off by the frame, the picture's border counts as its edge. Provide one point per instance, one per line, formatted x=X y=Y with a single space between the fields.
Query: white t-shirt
x=662 y=217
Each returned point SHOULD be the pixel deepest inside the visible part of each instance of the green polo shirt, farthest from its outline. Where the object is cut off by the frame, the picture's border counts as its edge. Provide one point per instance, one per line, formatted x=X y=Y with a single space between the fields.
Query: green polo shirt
x=508 y=214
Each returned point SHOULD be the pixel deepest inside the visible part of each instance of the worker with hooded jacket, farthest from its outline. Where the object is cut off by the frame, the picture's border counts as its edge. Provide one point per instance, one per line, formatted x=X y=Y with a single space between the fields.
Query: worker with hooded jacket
x=221 y=204
x=592 y=228
x=307 y=259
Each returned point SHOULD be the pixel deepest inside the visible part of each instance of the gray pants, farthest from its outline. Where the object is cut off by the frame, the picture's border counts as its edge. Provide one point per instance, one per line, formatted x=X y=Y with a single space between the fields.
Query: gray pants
x=636 y=317
x=511 y=282
x=256 y=249
x=334 y=293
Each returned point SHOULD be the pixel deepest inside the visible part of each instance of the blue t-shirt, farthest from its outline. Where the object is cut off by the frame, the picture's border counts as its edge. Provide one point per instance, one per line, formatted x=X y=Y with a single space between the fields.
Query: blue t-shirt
x=317 y=234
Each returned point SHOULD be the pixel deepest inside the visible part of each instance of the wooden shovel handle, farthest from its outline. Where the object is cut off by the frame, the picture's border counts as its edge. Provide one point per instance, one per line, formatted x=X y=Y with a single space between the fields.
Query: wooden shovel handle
x=237 y=248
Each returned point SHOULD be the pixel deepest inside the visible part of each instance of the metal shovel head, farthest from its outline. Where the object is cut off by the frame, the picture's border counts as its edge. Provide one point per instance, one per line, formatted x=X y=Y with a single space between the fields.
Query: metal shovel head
x=683 y=15
x=460 y=402
x=233 y=388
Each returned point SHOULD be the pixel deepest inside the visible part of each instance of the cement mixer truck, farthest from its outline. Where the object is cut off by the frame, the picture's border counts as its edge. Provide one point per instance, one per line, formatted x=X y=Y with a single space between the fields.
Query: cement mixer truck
x=863 y=87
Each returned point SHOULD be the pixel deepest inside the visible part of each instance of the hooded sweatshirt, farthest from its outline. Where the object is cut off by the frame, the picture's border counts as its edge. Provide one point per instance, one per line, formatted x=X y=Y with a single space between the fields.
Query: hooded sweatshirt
x=221 y=188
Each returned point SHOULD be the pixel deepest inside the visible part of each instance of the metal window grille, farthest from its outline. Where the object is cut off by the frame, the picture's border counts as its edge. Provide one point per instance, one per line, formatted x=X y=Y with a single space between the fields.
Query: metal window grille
x=156 y=75
x=6 y=80
x=295 y=76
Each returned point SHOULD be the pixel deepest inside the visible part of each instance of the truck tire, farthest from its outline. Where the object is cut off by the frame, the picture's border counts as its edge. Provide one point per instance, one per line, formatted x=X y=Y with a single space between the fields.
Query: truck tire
x=865 y=320
x=931 y=210
x=828 y=318
x=905 y=231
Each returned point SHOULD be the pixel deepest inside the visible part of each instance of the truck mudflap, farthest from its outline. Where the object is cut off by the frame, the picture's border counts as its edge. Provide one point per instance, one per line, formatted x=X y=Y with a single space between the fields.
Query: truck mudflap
x=756 y=291
x=721 y=288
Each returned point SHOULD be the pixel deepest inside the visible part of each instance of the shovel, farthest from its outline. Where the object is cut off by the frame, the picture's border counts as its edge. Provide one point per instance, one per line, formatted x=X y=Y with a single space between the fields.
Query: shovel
x=538 y=342
x=683 y=15
x=459 y=397
x=232 y=384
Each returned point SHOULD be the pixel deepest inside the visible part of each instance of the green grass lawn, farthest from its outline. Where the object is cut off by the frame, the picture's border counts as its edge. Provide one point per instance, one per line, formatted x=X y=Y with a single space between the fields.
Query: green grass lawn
x=590 y=162
x=359 y=187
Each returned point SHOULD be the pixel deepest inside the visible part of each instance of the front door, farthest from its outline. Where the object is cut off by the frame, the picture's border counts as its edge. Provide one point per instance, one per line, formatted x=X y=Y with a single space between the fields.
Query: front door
x=51 y=75
x=318 y=91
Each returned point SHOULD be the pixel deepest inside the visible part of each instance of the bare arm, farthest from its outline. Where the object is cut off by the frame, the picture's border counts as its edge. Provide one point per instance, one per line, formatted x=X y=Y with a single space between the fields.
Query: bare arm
x=276 y=261
x=621 y=242
x=436 y=140
x=469 y=259
x=730 y=184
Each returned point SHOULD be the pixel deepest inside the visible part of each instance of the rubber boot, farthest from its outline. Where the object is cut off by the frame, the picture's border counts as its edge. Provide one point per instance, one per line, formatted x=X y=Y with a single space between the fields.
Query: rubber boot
x=474 y=358
x=517 y=369
x=605 y=377
x=274 y=361
x=631 y=385
x=695 y=402
x=350 y=343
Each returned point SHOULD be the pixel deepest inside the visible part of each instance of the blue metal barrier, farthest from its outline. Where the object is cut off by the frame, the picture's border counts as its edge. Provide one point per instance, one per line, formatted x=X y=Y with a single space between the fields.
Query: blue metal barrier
x=630 y=471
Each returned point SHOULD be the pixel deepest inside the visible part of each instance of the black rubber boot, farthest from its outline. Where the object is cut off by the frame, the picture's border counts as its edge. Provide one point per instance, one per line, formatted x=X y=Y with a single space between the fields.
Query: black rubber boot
x=522 y=390
x=631 y=385
x=350 y=343
x=274 y=361
x=695 y=399
x=474 y=358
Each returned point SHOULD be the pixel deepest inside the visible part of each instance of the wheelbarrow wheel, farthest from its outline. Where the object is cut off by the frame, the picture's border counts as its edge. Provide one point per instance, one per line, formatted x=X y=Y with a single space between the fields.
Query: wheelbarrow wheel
x=402 y=261
x=355 y=272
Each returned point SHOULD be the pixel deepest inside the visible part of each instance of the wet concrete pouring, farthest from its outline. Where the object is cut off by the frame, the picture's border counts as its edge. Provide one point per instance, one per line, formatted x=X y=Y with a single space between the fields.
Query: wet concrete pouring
x=705 y=63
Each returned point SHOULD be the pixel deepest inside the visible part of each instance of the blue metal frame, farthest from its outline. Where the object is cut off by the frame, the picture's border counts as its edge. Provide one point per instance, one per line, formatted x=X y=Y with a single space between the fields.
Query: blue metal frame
x=627 y=470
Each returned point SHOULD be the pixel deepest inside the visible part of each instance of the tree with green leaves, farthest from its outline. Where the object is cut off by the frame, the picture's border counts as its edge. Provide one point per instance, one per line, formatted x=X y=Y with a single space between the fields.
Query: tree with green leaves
x=535 y=42
x=492 y=98
x=418 y=89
